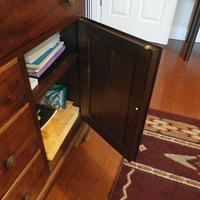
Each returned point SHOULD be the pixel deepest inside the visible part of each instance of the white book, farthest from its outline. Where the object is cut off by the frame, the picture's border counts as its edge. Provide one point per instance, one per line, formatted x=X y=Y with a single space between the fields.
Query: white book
x=35 y=68
x=33 y=82
x=37 y=51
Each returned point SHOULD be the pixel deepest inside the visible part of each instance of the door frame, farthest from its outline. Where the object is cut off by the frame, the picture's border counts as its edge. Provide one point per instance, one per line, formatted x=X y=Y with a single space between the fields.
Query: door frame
x=94 y=10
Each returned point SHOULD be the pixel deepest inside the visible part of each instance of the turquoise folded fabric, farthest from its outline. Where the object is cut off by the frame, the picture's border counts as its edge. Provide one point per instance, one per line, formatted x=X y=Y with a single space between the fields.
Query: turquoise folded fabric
x=55 y=97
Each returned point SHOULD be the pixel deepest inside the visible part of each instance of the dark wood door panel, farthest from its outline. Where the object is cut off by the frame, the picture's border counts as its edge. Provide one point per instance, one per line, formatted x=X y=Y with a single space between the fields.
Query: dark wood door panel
x=22 y=21
x=110 y=84
x=117 y=77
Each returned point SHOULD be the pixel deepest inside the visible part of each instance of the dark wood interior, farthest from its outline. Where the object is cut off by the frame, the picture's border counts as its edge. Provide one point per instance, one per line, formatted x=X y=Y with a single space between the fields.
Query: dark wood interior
x=54 y=74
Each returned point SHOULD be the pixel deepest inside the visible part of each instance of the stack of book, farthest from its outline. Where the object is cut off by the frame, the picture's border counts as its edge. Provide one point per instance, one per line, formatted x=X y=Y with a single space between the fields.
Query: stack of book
x=39 y=59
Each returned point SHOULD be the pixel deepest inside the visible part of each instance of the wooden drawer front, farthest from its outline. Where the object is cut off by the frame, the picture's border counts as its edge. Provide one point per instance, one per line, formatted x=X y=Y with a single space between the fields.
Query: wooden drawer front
x=22 y=21
x=18 y=143
x=12 y=87
x=29 y=186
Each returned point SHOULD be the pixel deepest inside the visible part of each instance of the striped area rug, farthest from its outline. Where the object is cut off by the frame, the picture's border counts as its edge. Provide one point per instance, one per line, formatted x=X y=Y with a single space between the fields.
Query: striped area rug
x=168 y=162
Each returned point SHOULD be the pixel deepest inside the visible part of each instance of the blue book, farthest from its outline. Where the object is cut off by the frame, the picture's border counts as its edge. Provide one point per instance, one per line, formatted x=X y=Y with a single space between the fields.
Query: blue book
x=37 y=74
x=43 y=56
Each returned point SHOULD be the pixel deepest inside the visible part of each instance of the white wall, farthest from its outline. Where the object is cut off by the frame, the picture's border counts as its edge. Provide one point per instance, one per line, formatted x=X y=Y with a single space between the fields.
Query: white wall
x=181 y=20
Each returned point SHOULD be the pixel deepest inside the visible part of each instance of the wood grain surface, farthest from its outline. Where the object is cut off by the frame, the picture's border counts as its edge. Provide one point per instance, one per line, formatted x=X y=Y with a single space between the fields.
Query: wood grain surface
x=18 y=140
x=23 y=22
x=13 y=93
x=88 y=173
x=28 y=186
x=117 y=74
x=178 y=82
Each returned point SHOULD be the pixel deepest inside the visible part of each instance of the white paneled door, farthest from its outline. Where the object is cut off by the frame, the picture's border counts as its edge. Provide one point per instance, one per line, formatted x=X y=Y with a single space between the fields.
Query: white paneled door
x=147 y=19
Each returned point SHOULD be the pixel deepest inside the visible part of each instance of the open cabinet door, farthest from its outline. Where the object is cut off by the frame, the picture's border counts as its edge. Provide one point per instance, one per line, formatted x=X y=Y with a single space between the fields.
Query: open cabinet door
x=117 y=74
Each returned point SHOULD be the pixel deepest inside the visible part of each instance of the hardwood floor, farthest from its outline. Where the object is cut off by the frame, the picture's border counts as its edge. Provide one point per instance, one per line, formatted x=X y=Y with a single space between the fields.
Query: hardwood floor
x=91 y=169
x=89 y=172
x=177 y=88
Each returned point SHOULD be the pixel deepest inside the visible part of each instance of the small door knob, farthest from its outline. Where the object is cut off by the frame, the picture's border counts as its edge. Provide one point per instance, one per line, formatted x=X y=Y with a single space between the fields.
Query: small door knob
x=148 y=47
x=27 y=197
x=71 y=2
x=11 y=162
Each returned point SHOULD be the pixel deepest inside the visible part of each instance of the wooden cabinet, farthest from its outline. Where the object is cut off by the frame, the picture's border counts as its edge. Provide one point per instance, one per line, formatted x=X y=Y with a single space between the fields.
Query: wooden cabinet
x=110 y=75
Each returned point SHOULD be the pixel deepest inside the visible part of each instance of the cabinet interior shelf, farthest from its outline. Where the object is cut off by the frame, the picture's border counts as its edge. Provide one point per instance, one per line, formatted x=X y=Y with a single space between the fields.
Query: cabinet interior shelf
x=56 y=71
